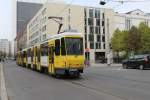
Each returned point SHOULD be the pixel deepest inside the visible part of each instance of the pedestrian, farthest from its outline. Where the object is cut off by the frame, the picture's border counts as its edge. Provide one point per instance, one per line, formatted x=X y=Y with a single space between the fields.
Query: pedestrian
x=87 y=63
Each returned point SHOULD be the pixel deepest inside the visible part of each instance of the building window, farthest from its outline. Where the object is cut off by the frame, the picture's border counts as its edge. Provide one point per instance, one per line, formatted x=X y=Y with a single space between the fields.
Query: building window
x=128 y=24
x=104 y=46
x=90 y=21
x=103 y=15
x=97 y=30
x=103 y=23
x=85 y=29
x=43 y=28
x=43 y=20
x=103 y=38
x=91 y=13
x=97 y=13
x=98 y=45
x=85 y=45
x=97 y=22
x=91 y=37
x=103 y=30
x=85 y=20
x=85 y=36
x=91 y=29
x=91 y=45
x=85 y=14
x=43 y=11
x=44 y=37
x=98 y=38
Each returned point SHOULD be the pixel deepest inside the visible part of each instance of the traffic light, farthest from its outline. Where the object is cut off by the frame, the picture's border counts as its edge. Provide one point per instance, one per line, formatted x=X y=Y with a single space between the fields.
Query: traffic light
x=102 y=2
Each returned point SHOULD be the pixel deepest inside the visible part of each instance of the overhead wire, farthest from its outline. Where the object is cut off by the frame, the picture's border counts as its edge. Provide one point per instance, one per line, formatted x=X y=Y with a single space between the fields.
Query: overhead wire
x=124 y=1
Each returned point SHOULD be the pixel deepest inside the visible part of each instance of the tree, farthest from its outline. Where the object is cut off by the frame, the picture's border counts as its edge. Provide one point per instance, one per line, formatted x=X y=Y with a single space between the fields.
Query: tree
x=136 y=40
x=145 y=37
x=133 y=42
x=118 y=41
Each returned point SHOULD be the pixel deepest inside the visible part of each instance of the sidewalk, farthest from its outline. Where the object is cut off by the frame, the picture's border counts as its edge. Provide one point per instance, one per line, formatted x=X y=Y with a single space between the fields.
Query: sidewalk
x=104 y=65
x=3 y=92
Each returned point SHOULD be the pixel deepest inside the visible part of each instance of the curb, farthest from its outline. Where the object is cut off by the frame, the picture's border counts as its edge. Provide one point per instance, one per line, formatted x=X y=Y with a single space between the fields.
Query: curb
x=3 y=90
x=105 y=65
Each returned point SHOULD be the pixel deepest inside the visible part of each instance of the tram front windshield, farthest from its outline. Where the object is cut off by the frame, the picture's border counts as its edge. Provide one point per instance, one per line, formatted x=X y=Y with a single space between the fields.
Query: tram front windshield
x=74 y=46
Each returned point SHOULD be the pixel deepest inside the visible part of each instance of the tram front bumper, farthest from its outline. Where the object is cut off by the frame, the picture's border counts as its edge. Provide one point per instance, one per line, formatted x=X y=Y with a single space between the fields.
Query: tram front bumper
x=68 y=71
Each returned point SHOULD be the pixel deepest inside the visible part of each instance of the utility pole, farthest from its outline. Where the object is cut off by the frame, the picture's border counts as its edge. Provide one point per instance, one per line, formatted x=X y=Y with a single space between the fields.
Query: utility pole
x=108 y=45
x=69 y=19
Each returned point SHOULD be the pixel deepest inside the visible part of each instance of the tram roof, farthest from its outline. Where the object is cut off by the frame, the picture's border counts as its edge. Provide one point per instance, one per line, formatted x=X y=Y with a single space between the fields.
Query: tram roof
x=65 y=34
x=57 y=36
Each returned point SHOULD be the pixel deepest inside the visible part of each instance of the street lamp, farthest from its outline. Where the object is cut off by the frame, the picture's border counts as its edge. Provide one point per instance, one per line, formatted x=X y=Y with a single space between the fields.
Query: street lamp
x=108 y=50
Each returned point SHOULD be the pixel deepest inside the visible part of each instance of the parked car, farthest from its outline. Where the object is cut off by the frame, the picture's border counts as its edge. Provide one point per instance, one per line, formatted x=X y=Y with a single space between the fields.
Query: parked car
x=137 y=61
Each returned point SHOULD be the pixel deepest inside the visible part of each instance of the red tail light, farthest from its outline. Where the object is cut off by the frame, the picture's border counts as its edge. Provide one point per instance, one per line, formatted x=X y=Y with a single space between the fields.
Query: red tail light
x=145 y=59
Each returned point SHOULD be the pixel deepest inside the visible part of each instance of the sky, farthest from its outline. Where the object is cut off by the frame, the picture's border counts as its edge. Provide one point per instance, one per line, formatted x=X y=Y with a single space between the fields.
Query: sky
x=6 y=11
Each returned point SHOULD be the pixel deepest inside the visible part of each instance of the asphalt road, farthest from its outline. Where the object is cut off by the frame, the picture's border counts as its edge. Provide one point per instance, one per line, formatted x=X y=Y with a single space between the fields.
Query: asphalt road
x=97 y=83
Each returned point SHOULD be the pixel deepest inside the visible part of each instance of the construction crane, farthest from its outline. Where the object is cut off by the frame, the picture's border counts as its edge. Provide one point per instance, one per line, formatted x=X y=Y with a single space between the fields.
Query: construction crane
x=103 y=2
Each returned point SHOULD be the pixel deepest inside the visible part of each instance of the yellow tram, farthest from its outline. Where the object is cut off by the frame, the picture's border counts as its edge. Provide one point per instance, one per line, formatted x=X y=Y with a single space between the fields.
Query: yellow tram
x=61 y=54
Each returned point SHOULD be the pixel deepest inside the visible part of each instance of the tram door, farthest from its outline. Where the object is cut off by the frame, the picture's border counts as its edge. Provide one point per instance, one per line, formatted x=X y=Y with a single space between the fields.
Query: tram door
x=38 y=58
x=51 y=58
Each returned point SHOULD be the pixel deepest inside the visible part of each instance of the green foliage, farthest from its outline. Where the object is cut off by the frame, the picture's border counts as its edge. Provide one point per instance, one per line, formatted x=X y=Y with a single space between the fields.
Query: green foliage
x=135 y=40
x=118 y=39
x=145 y=37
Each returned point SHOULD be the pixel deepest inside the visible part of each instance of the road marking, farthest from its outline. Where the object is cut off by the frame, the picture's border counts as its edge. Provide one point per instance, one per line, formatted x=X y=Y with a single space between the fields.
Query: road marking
x=3 y=91
x=119 y=69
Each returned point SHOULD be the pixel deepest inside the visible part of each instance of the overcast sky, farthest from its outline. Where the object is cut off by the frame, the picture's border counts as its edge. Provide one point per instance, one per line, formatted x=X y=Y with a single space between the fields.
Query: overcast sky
x=6 y=11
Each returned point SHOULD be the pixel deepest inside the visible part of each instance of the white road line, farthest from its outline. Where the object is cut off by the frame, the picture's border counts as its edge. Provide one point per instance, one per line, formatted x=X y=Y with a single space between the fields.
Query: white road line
x=119 y=69
x=3 y=91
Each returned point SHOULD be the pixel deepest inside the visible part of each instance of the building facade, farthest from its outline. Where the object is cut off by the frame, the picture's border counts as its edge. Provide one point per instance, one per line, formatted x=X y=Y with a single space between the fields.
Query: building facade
x=94 y=23
x=97 y=29
x=125 y=21
x=5 y=46
x=40 y=26
x=25 y=11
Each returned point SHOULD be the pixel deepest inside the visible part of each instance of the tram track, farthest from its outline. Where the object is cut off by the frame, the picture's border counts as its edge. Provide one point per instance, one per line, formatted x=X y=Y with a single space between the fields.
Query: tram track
x=118 y=78
x=95 y=91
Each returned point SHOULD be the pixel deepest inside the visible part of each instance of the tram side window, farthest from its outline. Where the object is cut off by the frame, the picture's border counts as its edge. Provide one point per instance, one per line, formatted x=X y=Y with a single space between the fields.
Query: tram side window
x=36 y=51
x=63 y=50
x=29 y=53
x=38 y=54
x=57 y=47
x=44 y=51
x=24 y=54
